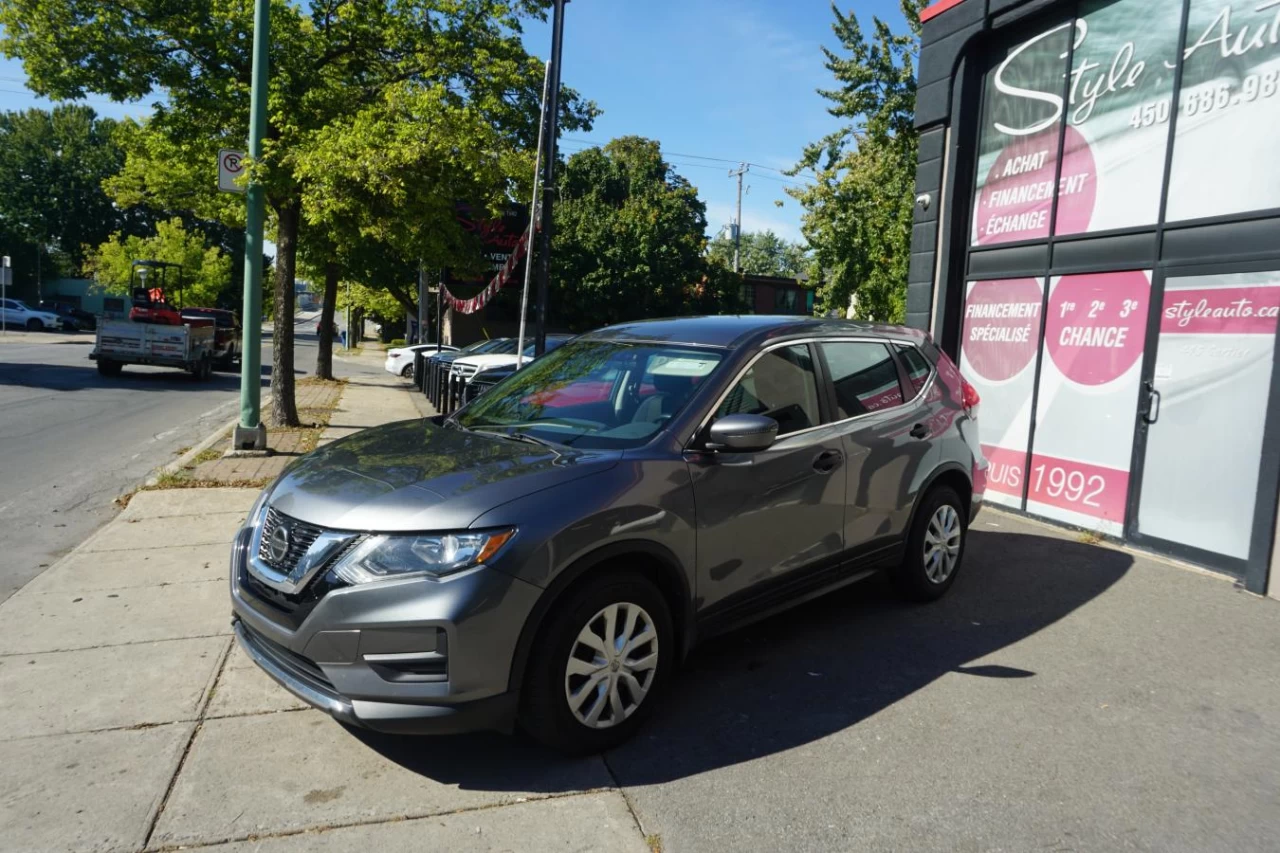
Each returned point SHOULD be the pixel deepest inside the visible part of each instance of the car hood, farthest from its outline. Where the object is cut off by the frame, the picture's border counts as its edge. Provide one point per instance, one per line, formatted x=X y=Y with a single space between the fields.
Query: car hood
x=489 y=360
x=416 y=476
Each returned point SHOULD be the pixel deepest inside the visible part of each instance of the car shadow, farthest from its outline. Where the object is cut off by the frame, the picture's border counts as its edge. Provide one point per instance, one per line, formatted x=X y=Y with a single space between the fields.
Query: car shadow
x=805 y=674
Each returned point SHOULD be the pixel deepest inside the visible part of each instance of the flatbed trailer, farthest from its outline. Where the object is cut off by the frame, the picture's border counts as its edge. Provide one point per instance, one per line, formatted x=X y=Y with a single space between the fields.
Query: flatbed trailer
x=189 y=347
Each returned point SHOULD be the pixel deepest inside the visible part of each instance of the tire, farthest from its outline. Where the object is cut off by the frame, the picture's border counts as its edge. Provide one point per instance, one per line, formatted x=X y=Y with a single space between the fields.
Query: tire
x=407 y=373
x=34 y=325
x=928 y=571
x=206 y=369
x=546 y=712
x=107 y=367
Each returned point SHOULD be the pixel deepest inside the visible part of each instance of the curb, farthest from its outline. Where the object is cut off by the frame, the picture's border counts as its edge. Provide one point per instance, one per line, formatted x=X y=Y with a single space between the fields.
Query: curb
x=209 y=441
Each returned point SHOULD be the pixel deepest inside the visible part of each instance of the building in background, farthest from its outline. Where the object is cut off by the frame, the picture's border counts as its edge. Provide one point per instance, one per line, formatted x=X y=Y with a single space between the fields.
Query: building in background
x=1097 y=243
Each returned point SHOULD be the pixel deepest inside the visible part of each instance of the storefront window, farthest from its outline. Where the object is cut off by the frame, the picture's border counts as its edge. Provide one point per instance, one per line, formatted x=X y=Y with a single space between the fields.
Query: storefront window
x=998 y=356
x=1118 y=116
x=1018 y=140
x=1224 y=152
x=1095 y=328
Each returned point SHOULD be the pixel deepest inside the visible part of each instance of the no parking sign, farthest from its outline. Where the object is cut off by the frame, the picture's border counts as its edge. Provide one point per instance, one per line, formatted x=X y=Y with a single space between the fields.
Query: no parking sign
x=230 y=167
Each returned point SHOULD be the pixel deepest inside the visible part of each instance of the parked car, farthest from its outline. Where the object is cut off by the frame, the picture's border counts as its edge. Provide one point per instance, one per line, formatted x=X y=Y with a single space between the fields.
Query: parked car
x=400 y=360
x=548 y=556
x=465 y=367
x=70 y=318
x=226 y=334
x=485 y=379
x=17 y=314
x=442 y=362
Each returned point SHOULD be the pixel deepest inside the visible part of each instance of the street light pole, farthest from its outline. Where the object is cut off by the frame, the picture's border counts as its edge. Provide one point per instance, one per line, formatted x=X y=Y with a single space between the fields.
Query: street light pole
x=250 y=434
x=548 y=178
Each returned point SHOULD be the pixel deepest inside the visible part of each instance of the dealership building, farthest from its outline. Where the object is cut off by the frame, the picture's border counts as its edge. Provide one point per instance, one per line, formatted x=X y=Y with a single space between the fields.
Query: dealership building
x=1097 y=242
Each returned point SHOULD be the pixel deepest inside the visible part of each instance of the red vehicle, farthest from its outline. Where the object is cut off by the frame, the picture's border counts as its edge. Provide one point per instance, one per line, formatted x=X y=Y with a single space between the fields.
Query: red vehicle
x=226 y=333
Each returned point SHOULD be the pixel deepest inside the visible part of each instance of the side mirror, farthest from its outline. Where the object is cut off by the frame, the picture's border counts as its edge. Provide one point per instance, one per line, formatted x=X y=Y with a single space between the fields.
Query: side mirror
x=742 y=433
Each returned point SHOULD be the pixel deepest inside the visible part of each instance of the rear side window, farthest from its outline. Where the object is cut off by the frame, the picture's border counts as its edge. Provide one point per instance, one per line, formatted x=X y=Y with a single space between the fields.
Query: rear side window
x=865 y=377
x=781 y=385
x=917 y=366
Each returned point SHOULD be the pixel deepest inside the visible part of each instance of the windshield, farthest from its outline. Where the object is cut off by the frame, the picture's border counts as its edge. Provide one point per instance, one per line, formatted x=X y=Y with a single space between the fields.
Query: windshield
x=595 y=394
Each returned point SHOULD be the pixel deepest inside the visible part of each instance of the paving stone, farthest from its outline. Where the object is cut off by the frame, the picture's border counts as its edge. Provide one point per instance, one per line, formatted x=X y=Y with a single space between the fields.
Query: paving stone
x=141 y=534
x=86 y=792
x=163 y=503
x=53 y=621
x=114 y=687
x=243 y=688
x=286 y=772
x=597 y=822
x=83 y=571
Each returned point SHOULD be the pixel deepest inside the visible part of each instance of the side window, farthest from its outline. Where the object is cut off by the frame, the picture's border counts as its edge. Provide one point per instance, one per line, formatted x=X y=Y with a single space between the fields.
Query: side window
x=781 y=385
x=865 y=377
x=918 y=368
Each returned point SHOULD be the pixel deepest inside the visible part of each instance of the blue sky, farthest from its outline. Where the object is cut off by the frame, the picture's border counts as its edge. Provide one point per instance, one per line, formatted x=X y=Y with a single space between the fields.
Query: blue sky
x=728 y=79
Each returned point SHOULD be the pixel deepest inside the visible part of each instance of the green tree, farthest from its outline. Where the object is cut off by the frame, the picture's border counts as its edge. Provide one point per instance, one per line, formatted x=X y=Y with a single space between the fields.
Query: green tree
x=858 y=213
x=630 y=240
x=206 y=271
x=52 y=205
x=329 y=61
x=761 y=253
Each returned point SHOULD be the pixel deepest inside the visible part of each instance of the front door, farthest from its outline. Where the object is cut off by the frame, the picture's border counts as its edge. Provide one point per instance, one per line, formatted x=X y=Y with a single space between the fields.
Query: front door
x=1206 y=396
x=762 y=516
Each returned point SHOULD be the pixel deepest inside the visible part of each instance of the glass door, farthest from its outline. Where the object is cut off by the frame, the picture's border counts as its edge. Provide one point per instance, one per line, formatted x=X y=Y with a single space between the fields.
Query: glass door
x=1204 y=405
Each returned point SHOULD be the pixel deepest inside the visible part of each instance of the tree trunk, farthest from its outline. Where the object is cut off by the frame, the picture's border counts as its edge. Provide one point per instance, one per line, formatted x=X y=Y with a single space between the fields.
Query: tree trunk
x=284 y=406
x=324 y=355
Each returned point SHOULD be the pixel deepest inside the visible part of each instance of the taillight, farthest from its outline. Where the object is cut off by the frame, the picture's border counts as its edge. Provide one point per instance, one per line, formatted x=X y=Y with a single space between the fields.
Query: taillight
x=969 y=397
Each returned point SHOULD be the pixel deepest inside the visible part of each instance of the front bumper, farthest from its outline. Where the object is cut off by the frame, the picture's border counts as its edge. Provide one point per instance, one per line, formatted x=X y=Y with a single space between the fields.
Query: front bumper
x=404 y=656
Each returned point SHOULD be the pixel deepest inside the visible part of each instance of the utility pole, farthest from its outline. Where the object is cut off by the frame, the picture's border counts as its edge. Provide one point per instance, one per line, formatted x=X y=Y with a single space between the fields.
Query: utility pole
x=250 y=434
x=422 y=303
x=533 y=219
x=5 y=271
x=742 y=169
x=548 y=177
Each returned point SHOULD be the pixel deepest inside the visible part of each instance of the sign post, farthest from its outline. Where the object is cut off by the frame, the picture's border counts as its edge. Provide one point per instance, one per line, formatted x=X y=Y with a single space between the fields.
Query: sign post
x=5 y=272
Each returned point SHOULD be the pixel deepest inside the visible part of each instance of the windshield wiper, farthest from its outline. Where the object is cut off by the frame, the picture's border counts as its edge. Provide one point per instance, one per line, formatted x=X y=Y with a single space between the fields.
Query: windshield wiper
x=516 y=436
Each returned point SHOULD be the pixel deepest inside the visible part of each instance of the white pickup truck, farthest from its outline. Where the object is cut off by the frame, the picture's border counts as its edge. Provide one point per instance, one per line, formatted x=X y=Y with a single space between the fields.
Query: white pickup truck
x=121 y=342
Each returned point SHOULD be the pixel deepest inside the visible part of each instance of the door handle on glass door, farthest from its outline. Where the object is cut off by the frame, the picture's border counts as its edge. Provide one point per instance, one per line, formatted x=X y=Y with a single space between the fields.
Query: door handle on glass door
x=828 y=461
x=1152 y=414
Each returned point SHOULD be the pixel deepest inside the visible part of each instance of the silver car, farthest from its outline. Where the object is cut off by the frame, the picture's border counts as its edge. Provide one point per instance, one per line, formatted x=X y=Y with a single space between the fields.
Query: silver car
x=548 y=555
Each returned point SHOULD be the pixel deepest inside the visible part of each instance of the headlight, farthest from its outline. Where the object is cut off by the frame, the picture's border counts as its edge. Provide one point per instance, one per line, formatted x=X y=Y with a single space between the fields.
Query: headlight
x=392 y=556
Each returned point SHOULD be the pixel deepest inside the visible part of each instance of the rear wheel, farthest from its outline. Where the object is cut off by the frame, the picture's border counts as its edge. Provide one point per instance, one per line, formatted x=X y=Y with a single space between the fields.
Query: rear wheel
x=407 y=373
x=107 y=367
x=935 y=547
x=597 y=664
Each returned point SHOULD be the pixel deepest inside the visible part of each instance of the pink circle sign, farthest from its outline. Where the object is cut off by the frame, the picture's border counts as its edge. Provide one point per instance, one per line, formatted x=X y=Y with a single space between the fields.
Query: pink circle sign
x=1096 y=325
x=1016 y=201
x=1001 y=327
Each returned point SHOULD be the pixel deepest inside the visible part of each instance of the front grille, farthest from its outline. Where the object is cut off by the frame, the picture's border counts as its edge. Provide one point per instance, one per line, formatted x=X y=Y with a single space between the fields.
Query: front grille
x=286 y=609
x=465 y=370
x=301 y=535
x=295 y=664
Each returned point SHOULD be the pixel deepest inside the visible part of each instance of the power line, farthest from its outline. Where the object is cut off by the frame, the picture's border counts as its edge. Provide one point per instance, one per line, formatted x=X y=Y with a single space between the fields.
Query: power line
x=591 y=143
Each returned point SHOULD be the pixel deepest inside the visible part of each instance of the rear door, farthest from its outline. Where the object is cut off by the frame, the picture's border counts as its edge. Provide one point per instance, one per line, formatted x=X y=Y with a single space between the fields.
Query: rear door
x=765 y=517
x=886 y=436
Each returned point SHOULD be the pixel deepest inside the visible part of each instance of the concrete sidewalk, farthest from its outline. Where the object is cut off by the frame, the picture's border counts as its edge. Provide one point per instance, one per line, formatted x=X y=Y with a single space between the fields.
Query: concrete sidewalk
x=1063 y=696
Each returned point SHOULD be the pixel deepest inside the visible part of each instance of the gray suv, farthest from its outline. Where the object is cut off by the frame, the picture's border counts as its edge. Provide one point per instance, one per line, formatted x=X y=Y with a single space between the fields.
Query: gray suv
x=547 y=555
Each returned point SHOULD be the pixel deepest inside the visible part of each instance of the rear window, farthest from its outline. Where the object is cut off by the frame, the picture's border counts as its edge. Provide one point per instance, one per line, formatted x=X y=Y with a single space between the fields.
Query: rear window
x=917 y=366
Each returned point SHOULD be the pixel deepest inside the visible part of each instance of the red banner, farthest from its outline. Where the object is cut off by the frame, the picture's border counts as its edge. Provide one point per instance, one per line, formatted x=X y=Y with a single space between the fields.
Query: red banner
x=481 y=299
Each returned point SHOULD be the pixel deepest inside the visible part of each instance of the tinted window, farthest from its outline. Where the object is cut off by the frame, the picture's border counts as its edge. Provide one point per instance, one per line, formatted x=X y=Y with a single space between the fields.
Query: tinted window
x=917 y=368
x=781 y=385
x=865 y=377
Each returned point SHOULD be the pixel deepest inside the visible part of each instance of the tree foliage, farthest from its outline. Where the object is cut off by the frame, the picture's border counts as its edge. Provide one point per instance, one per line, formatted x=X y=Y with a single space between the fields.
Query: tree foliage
x=206 y=271
x=342 y=73
x=858 y=214
x=52 y=165
x=761 y=253
x=630 y=240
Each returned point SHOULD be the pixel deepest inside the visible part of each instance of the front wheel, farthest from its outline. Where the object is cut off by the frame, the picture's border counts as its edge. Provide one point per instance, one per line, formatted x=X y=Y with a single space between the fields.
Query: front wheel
x=935 y=547
x=107 y=367
x=598 y=664
x=34 y=325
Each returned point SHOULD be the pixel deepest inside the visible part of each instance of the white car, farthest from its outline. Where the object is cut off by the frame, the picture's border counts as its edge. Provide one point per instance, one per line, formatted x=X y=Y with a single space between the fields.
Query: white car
x=469 y=365
x=17 y=314
x=400 y=361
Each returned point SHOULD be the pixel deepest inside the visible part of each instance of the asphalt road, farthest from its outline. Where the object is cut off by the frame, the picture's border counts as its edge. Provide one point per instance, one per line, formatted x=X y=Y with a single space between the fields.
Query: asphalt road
x=71 y=441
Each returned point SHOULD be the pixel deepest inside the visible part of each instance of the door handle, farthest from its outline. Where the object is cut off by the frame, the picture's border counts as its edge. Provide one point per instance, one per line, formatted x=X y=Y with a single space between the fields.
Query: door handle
x=827 y=461
x=919 y=431
x=1152 y=414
